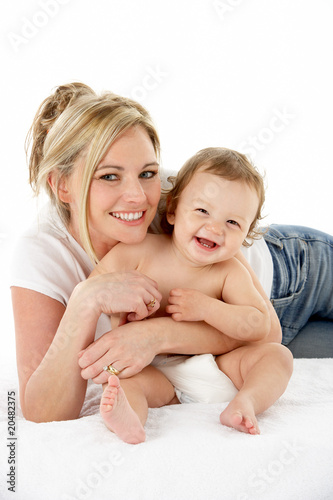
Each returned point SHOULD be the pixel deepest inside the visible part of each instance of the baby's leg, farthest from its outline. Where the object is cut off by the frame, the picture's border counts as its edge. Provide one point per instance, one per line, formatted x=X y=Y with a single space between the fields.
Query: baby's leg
x=261 y=373
x=124 y=404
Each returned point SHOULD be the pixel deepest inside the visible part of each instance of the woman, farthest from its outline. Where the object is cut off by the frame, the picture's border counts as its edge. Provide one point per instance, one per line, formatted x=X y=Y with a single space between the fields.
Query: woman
x=97 y=158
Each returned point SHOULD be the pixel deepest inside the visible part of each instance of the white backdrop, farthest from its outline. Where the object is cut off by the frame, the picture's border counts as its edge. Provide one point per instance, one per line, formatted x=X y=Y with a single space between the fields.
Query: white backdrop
x=251 y=75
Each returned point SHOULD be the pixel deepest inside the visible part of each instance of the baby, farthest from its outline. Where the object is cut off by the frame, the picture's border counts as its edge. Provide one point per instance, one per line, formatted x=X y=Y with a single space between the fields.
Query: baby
x=209 y=213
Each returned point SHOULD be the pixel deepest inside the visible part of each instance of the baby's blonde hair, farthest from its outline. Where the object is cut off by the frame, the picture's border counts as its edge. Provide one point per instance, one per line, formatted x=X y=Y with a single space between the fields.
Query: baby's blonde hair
x=74 y=119
x=224 y=163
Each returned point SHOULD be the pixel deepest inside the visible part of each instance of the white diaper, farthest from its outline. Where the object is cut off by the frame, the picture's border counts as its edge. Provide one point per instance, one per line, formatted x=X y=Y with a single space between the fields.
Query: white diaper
x=197 y=379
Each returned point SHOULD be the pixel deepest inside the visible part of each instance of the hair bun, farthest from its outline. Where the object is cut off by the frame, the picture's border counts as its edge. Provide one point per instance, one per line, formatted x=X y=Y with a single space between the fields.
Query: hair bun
x=55 y=104
x=50 y=109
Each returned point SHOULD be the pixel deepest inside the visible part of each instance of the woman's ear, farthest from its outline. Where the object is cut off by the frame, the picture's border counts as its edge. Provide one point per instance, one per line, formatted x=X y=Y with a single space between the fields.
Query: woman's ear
x=59 y=187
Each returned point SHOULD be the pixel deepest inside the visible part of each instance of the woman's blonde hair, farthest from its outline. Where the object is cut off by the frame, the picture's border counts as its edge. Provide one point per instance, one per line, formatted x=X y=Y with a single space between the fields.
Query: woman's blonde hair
x=224 y=163
x=72 y=120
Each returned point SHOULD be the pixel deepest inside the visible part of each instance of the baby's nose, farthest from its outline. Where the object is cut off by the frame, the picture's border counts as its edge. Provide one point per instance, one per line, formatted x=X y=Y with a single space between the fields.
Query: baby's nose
x=215 y=228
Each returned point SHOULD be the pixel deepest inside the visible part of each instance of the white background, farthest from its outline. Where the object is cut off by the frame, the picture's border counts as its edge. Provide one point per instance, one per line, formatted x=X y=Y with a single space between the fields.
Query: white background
x=233 y=73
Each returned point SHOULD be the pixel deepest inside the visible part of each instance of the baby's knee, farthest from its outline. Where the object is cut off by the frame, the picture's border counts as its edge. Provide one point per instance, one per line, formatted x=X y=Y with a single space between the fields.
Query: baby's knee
x=280 y=353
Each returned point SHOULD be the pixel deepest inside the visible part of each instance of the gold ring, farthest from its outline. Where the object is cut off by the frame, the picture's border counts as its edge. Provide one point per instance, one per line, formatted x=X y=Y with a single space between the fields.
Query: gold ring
x=111 y=369
x=151 y=304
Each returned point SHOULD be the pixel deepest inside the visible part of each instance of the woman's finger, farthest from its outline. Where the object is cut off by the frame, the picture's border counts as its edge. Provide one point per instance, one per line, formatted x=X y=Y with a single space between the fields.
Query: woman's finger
x=95 y=351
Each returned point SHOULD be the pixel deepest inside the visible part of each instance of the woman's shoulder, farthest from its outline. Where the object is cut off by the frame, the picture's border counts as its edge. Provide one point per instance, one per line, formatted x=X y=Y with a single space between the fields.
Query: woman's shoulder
x=47 y=238
x=48 y=260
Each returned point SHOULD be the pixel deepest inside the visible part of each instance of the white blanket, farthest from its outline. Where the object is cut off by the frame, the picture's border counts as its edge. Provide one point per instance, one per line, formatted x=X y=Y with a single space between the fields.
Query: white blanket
x=188 y=454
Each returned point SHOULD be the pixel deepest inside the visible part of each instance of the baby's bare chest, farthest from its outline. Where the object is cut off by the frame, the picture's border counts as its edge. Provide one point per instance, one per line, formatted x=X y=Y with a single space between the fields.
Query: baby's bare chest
x=170 y=275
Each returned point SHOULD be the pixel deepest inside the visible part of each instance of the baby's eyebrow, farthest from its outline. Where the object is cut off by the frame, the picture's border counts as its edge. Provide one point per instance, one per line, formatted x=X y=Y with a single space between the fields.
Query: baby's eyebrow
x=199 y=200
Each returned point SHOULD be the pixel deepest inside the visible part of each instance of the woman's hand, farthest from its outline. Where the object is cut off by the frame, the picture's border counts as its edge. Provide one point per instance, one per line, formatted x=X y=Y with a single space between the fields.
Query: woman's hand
x=113 y=293
x=129 y=348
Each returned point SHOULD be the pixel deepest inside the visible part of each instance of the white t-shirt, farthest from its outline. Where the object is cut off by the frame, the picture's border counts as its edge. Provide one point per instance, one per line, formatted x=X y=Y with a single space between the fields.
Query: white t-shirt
x=260 y=259
x=47 y=259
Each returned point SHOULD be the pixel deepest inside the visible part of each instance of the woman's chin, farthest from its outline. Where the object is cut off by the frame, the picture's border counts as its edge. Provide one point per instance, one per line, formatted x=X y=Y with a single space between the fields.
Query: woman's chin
x=134 y=239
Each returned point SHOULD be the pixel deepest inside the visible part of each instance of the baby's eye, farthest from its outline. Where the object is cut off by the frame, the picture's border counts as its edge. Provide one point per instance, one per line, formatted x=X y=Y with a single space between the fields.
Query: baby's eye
x=233 y=222
x=202 y=210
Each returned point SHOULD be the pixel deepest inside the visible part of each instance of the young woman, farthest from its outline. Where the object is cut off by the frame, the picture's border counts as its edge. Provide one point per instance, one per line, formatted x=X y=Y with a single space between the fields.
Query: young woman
x=97 y=158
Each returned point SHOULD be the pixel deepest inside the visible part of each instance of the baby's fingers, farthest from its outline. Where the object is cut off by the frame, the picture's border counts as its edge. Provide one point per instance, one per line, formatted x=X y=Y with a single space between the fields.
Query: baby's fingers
x=172 y=309
x=176 y=292
x=174 y=299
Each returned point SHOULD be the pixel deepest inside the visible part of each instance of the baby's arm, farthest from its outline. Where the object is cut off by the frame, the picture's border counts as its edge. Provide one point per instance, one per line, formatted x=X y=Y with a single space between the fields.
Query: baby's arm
x=241 y=314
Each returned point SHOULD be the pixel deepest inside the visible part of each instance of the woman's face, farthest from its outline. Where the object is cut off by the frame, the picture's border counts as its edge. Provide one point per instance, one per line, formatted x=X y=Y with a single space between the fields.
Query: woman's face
x=124 y=192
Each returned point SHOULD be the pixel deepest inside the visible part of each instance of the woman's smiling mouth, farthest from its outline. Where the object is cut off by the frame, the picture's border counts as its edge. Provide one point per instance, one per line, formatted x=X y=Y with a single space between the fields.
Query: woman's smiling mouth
x=127 y=216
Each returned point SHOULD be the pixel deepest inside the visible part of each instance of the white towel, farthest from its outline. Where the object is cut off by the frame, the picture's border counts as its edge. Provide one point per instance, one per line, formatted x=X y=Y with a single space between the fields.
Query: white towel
x=188 y=454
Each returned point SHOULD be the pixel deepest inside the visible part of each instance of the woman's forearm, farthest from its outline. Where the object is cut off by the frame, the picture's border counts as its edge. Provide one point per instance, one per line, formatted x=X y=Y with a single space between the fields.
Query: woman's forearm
x=182 y=337
x=56 y=390
x=134 y=345
x=51 y=386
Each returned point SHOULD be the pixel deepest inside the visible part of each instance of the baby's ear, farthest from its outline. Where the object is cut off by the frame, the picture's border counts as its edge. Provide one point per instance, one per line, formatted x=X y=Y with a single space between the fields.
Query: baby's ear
x=171 y=218
x=170 y=211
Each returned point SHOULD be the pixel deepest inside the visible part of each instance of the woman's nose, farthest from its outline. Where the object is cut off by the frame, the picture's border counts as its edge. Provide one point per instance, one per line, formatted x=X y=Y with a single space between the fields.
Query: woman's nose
x=134 y=192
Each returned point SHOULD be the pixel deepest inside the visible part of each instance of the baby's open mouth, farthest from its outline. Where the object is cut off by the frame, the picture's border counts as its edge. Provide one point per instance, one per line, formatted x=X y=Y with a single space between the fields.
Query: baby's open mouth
x=206 y=243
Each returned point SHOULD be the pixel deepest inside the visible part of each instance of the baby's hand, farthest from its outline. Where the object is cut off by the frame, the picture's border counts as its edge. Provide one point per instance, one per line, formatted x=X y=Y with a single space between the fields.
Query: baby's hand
x=186 y=304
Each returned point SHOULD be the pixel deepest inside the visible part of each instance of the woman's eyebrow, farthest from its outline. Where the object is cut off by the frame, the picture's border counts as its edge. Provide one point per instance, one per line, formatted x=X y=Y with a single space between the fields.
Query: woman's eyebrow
x=117 y=167
x=151 y=164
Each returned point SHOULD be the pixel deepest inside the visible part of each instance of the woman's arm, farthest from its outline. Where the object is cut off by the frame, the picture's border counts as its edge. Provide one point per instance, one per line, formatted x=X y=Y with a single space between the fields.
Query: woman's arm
x=131 y=347
x=50 y=336
x=47 y=343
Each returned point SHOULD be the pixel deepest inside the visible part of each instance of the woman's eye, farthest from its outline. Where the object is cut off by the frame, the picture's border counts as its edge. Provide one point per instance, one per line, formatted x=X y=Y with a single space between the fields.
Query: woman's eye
x=148 y=174
x=109 y=177
x=202 y=210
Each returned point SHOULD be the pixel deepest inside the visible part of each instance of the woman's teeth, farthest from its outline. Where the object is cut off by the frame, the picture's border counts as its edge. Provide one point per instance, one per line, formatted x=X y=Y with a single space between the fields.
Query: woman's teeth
x=127 y=216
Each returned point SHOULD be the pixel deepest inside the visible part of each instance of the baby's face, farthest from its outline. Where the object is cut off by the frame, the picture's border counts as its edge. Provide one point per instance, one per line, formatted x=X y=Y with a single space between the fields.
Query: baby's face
x=212 y=218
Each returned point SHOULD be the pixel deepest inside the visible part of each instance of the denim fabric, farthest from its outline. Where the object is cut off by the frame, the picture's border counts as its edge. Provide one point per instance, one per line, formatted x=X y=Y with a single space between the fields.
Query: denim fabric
x=315 y=340
x=303 y=277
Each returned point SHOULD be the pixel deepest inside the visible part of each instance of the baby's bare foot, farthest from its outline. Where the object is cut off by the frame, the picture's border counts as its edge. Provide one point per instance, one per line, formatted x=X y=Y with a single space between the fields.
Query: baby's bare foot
x=118 y=415
x=240 y=415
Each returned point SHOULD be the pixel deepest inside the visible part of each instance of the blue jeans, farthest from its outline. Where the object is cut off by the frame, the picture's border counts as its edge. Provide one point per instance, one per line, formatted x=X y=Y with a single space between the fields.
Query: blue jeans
x=302 y=290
